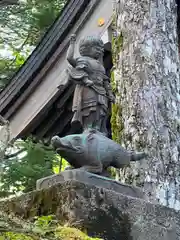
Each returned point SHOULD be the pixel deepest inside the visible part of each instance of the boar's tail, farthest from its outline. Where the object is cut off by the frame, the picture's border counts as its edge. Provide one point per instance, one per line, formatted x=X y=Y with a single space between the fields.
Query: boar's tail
x=138 y=156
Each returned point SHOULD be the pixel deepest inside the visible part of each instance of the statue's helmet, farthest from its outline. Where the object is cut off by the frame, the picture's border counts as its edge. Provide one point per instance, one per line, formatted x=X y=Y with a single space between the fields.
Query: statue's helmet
x=90 y=42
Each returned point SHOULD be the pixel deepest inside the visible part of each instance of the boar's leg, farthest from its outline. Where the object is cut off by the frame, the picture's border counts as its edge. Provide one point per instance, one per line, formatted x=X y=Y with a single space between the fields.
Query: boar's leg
x=106 y=173
x=68 y=168
x=93 y=169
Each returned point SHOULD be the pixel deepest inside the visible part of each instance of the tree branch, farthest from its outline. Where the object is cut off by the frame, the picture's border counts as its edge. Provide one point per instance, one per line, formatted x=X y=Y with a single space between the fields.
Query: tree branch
x=14 y=154
x=4 y=3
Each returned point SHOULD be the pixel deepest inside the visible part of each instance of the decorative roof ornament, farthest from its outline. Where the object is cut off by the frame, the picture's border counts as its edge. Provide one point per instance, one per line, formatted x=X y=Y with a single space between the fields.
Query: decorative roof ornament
x=101 y=22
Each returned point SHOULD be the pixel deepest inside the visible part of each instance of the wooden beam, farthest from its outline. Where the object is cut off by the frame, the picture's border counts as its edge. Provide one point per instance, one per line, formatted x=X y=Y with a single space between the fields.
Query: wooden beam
x=42 y=53
x=48 y=125
x=60 y=125
x=42 y=114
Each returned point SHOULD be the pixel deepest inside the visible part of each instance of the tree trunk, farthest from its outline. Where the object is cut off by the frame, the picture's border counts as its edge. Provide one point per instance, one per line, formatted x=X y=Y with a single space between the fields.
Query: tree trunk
x=146 y=115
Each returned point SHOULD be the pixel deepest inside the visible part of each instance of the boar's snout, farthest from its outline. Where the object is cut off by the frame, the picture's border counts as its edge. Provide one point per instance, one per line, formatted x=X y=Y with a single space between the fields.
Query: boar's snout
x=55 y=141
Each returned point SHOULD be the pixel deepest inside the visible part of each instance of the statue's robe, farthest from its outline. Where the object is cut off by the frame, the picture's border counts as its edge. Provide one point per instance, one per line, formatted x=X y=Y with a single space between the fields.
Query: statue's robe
x=89 y=102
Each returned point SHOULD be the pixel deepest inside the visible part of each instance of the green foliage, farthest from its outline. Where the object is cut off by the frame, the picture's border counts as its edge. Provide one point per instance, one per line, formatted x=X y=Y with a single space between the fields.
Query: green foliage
x=22 y=171
x=22 y=27
x=43 y=228
x=15 y=236
x=8 y=67
x=68 y=233
x=61 y=166
x=47 y=224
x=25 y=162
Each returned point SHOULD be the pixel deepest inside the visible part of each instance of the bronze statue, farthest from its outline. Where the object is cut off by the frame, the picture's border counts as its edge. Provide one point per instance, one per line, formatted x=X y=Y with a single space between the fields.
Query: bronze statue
x=93 y=152
x=93 y=91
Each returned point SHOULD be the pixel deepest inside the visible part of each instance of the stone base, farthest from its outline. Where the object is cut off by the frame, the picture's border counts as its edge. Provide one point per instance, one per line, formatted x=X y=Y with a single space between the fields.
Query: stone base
x=100 y=212
x=92 y=179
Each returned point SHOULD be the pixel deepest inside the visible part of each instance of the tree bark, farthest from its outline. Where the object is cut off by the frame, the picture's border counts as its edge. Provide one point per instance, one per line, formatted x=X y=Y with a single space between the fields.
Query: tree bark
x=4 y=3
x=146 y=80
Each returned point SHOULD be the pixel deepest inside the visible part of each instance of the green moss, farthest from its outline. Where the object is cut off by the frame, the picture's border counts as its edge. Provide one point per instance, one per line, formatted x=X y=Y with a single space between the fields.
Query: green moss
x=42 y=202
x=117 y=41
x=116 y=123
x=44 y=227
x=113 y=83
x=117 y=45
x=60 y=233
x=15 y=236
x=116 y=120
x=67 y=233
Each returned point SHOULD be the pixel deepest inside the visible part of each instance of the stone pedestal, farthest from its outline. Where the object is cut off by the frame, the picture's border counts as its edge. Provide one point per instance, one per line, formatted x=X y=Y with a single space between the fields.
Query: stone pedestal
x=92 y=179
x=101 y=212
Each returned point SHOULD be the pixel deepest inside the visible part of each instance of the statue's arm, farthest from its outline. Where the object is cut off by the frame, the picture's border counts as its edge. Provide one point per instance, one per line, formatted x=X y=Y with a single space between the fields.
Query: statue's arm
x=70 y=52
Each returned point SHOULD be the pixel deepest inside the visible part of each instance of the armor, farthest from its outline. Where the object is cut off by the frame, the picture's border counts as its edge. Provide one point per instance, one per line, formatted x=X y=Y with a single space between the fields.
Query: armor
x=91 y=96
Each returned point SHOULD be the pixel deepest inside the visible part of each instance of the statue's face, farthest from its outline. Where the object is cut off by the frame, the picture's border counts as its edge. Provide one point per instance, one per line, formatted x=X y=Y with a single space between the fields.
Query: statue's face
x=96 y=52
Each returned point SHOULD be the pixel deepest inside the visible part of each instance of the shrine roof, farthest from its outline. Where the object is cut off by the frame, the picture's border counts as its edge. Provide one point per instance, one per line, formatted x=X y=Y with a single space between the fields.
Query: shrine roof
x=24 y=101
x=44 y=50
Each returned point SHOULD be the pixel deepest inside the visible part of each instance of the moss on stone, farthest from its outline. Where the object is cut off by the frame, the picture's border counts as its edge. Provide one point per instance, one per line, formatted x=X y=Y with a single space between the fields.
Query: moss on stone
x=15 y=236
x=117 y=40
x=116 y=123
x=60 y=233
x=44 y=228
x=117 y=45
x=67 y=233
x=113 y=83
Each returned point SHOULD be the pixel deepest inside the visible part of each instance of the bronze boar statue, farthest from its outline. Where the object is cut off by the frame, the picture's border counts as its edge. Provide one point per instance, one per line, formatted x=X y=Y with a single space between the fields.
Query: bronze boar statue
x=93 y=152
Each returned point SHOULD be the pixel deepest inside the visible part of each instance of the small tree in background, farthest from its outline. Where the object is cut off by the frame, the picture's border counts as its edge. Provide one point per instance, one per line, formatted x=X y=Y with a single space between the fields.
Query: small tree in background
x=28 y=162
x=22 y=27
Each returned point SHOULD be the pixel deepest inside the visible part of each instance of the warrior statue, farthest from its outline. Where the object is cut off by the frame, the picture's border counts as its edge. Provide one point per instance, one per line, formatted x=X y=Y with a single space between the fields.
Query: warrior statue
x=93 y=91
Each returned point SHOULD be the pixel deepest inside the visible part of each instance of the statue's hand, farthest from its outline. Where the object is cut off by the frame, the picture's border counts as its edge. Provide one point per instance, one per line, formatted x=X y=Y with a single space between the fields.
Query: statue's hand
x=89 y=83
x=73 y=38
